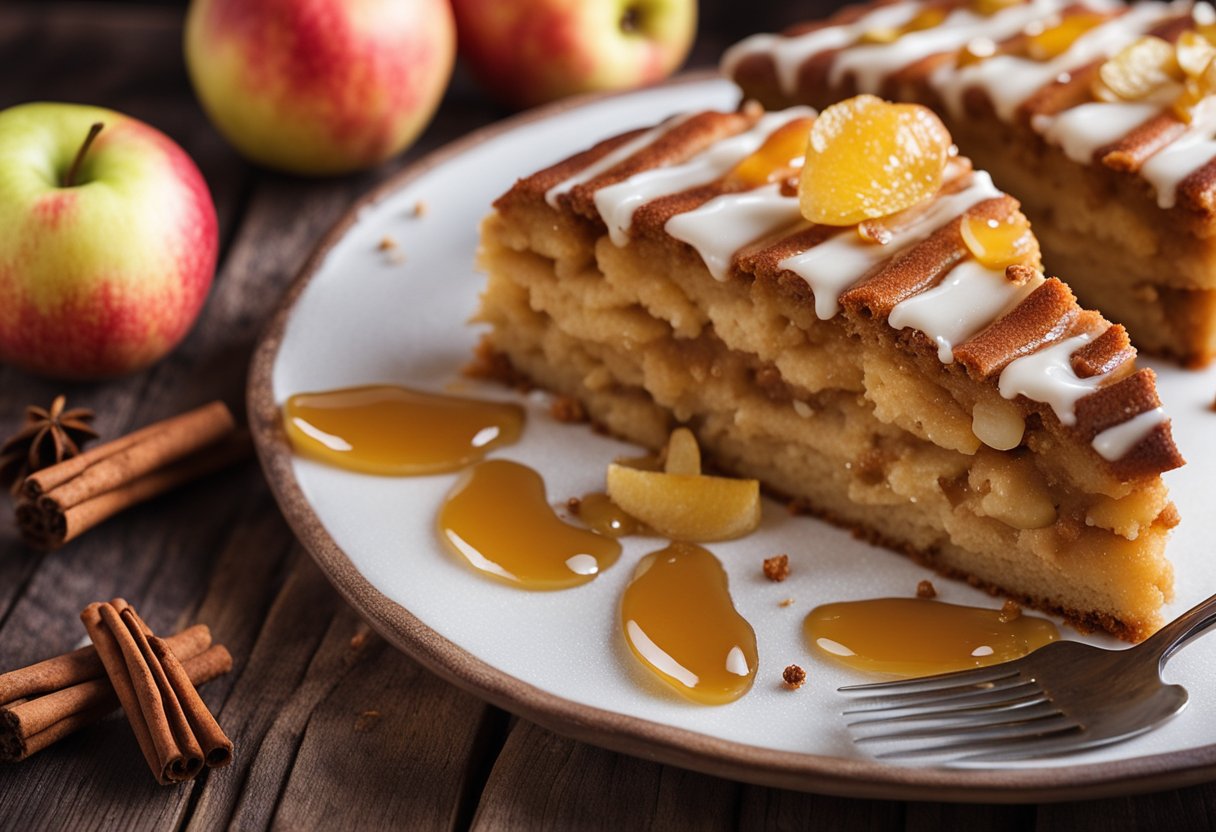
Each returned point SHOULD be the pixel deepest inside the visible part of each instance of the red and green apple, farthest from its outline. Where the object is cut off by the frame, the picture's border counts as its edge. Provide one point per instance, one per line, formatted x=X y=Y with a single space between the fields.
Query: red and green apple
x=527 y=52
x=320 y=86
x=108 y=244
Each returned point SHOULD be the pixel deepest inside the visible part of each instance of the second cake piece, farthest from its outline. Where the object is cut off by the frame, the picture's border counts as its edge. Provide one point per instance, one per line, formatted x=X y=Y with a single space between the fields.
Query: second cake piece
x=1098 y=116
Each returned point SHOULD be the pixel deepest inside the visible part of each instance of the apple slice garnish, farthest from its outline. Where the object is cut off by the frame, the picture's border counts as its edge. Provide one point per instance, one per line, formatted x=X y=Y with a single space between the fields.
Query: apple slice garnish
x=682 y=503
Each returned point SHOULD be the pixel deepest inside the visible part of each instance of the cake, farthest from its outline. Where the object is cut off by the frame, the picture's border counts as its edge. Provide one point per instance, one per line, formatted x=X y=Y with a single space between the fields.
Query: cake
x=1099 y=117
x=876 y=373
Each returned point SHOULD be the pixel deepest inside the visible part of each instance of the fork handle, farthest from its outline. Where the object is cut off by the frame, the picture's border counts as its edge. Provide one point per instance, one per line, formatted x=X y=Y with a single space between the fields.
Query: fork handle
x=1192 y=623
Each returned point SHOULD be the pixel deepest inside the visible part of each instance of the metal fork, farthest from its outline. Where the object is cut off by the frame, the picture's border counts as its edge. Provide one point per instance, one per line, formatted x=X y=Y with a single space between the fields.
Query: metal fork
x=1062 y=698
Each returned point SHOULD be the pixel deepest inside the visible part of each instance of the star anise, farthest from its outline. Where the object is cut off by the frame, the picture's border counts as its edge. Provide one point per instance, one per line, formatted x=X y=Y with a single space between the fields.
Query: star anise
x=49 y=436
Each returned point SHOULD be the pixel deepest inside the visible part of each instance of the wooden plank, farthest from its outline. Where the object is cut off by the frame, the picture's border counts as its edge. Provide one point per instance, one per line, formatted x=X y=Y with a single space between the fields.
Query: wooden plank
x=390 y=742
x=283 y=678
x=1193 y=808
x=780 y=809
x=543 y=781
x=974 y=817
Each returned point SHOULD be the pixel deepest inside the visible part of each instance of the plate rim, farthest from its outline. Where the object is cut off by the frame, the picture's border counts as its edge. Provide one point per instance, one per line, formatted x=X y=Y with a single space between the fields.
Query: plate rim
x=638 y=737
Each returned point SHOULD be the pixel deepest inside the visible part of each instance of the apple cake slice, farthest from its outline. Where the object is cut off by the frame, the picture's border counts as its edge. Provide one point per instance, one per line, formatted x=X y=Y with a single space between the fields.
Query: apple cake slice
x=1099 y=117
x=900 y=365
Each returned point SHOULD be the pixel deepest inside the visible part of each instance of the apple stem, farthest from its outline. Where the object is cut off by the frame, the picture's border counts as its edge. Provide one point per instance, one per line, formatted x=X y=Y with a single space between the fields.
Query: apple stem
x=629 y=20
x=69 y=180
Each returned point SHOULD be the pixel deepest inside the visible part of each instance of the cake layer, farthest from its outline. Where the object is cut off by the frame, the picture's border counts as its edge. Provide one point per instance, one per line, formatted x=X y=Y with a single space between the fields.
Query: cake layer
x=974 y=417
x=1122 y=194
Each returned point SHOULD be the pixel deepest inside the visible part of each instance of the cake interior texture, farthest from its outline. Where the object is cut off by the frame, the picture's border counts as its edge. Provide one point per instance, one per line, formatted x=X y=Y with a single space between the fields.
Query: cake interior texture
x=859 y=424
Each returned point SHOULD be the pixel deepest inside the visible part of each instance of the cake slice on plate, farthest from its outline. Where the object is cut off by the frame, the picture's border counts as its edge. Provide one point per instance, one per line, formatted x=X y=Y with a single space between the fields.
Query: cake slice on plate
x=859 y=322
x=1099 y=117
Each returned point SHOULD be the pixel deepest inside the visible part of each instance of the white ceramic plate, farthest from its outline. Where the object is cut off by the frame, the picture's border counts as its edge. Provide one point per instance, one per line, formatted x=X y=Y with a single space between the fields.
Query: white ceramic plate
x=356 y=316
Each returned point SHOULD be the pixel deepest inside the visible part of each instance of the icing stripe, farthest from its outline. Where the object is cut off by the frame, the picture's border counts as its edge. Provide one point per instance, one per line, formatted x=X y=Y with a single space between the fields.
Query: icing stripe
x=836 y=264
x=617 y=203
x=1047 y=376
x=969 y=298
x=727 y=223
x=789 y=54
x=610 y=160
x=1116 y=442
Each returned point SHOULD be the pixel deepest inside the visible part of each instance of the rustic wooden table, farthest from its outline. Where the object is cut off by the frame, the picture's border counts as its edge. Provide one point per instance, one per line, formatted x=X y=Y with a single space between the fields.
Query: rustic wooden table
x=332 y=726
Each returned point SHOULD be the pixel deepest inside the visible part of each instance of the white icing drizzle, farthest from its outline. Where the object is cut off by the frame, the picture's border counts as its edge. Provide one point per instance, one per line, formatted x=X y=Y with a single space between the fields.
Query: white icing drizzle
x=970 y=297
x=727 y=223
x=1115 y=442
x=1010 y=80
x=617 y=203
x=870 y=64
x=1047 y=376
x=1081 y=130
x=1166 y=168
x=789 y=54
x=836 y=264
x=612 y=159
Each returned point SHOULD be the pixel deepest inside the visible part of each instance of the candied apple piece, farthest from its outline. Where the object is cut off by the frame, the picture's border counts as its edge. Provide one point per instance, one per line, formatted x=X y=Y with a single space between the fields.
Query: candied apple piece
x=1193 y=52
x=1054 y=41
x=991 y=7
x=925 y=19
x=868 y=158
x=998 y=245
x=683 y=455
x=1138 y=70
x=687 y=507
x=779 y=156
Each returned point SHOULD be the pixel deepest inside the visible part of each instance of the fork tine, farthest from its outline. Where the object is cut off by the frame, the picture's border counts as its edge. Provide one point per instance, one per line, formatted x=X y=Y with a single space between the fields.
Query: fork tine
x=1000 y=725
x=941 y=681
x=1021 y=704
x=961 y=697
x=1033 y=736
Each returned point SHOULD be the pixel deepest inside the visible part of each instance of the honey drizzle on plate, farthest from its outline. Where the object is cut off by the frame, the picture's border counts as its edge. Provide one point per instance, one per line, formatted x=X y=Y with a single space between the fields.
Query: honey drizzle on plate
x=680 y=623
x=498 y=520
x=602 y=515
x=395 y=431
x=915 y=637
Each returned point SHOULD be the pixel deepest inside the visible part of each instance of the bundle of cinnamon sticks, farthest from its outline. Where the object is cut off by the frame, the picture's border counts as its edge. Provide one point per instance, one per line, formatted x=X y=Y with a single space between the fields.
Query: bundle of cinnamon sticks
x=63 y=501
x=153 y=679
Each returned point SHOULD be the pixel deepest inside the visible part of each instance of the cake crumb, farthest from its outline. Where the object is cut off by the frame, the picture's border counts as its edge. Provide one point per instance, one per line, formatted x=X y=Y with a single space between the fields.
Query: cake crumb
x=926 y=589
x=573 y=505
x=391 y=249
x=1011 y=611
x=785 y=602
x=777 y=568
x=489 y=364
x=420 y=208
x=366 y=721
x=799 y=506
x=794 y=677
x=567 y=409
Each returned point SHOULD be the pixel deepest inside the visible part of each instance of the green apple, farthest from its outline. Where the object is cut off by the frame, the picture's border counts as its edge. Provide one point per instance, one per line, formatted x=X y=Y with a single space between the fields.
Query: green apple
x=527 y=52
x=320 y=86
x=108 y=244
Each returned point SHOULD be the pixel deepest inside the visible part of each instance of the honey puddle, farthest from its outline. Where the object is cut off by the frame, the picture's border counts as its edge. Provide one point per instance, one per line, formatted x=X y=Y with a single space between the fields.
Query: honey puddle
x=680 y=623
x=917 y=637
x=497 y=518
x=392 y=430
x=600 y=514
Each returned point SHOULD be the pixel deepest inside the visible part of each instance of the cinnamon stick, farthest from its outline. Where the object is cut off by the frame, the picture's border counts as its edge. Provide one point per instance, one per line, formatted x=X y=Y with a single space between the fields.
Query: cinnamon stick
x=83 y=665
x=63 y=501
x=29 y=725
x=161 y=705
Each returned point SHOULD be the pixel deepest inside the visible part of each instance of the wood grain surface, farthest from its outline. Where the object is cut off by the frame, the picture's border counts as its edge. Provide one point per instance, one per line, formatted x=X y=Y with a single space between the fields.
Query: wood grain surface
x=333 y=728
